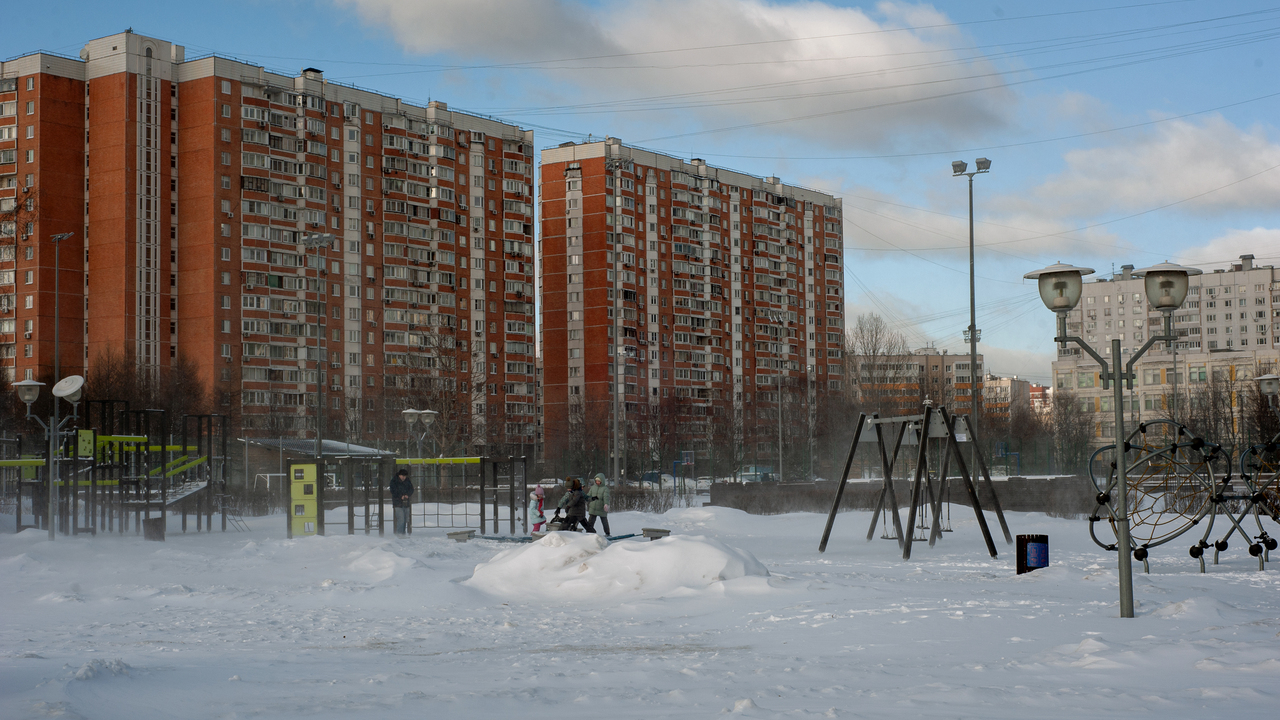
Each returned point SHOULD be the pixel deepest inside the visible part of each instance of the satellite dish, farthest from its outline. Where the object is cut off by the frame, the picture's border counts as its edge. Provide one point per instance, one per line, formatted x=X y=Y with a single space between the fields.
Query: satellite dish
x=69 y=388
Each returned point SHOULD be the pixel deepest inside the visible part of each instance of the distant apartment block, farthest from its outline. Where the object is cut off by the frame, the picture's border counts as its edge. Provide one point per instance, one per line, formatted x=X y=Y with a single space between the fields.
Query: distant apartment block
x=189 y=186
x=1005 y=399
x=899 y=384
x=1228 y=332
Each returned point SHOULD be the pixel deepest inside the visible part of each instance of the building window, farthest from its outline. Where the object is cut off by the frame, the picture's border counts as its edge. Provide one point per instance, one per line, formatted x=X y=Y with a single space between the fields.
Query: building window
x=226 y=350
x=226 y=278
x=226 y=87
x=226 y=111
x=28 y=277
x=226 y=326
x=26 y=350
x=31 y=107
x=31 y=156
x=226 y=160
x=226 y=302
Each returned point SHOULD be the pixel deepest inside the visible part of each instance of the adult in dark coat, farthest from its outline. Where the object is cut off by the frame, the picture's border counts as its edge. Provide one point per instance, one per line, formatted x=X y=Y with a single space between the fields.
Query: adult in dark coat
x=401 y=503
x=574 y=504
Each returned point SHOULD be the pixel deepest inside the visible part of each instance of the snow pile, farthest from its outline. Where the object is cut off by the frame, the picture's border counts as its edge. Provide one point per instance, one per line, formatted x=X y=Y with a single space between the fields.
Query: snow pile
x=570 y=566
x=101 y=668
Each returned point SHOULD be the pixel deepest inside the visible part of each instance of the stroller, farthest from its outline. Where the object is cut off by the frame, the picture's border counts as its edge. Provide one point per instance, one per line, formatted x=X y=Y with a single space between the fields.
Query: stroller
x=558 y=523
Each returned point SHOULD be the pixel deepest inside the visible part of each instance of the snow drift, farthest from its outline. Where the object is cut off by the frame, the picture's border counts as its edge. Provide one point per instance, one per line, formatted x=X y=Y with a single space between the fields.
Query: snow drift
x=570 y=566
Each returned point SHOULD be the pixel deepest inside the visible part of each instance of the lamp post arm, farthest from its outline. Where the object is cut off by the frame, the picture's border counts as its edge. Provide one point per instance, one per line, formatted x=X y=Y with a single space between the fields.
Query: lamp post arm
x=1106 y=368
x=1142 y=351
x=39 y=421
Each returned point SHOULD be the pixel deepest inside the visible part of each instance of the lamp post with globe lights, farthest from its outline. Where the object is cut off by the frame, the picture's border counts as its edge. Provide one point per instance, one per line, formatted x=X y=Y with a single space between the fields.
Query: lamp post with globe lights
x=1269 y=386
x=70 y=389
x=426 y=417
x=1166 y=287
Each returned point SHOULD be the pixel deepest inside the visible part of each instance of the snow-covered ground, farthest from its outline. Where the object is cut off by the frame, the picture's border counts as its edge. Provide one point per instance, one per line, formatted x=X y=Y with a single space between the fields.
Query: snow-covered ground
x=254 y=625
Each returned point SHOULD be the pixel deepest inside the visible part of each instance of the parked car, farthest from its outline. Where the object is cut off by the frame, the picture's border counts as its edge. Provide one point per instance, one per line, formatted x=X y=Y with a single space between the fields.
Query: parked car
x=755 y=473
x=655 y=479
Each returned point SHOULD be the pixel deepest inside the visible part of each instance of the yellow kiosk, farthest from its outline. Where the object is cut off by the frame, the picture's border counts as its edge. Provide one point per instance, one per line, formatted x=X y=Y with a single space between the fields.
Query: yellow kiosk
x=302 y=499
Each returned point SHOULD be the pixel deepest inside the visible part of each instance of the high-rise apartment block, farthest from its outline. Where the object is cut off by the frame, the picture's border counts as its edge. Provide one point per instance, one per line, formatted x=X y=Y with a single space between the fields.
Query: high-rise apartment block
x=711 y=297
x=1228 y=332
x=192 y=188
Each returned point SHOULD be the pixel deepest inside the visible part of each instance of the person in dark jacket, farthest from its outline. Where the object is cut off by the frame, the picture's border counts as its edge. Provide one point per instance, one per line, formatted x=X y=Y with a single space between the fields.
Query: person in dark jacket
x=401 y=492
x=574 y=504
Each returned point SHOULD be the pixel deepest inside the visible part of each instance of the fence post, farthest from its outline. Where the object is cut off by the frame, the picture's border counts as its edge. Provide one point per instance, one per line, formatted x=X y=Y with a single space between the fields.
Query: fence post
x=351 y=498
x=484 y=463
x=382 y=513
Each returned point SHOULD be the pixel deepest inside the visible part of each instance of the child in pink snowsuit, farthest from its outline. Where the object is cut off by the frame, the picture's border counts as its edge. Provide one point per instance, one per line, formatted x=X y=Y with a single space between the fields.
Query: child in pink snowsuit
x=536 y=518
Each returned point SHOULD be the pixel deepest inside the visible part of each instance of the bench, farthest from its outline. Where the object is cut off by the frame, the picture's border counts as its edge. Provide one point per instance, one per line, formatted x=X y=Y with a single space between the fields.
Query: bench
x=462 y=535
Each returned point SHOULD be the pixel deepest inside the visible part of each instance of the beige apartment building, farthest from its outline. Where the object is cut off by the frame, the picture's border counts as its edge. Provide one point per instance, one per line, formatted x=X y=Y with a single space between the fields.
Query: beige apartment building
x=1228 y=333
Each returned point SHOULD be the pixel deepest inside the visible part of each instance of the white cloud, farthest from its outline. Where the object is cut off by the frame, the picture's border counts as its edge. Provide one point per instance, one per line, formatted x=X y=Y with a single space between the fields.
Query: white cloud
x=1175 y=161
x=852 y=61
x=1262 y=242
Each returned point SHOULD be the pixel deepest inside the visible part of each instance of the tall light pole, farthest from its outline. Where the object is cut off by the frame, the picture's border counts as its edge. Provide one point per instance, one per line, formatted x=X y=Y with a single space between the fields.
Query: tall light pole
x=958 y=168
x=54 y=489
x=619 y=378
x=782 y=329
x=317 y=241
x=1166 y=285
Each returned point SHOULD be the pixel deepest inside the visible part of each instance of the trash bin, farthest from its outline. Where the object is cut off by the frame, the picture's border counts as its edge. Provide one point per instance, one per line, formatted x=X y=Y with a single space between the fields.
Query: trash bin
x=1033 y=552
x=153 y=528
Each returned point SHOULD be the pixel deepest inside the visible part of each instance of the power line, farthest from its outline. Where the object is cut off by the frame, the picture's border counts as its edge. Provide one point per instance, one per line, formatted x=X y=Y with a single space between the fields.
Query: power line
x=938 y=96
x=986 y=148
x=862 y=33
x=653 y=101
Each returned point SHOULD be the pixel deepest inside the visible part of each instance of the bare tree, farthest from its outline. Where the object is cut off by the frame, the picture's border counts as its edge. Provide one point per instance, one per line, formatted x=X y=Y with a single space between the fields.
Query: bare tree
x=1072 y=429
x=880 y=369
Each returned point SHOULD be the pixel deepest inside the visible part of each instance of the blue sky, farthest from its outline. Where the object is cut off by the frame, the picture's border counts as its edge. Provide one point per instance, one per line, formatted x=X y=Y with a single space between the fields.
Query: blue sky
x=1127 y=132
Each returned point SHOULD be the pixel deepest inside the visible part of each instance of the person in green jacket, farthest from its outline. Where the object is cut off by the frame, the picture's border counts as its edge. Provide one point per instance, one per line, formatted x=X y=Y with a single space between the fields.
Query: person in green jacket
x=598 y=504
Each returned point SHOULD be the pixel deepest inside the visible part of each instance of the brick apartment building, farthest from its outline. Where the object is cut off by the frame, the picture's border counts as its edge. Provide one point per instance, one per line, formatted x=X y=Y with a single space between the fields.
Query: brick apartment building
x=189 y=186
x=722 y=291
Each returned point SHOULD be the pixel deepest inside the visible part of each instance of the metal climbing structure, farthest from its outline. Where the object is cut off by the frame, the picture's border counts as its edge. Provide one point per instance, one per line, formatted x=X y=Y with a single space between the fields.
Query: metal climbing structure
x=128 y=471
x=1179 y=483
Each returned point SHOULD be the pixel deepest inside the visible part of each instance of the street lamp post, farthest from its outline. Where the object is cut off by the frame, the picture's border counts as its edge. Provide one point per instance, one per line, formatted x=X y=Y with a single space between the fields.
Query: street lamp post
x=619 y=380
x=1166 y=287
x=427 y=417
x=959 y=168
x=69 y=388
x=1269 y=386
x=317 y=241
x=782 y=329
